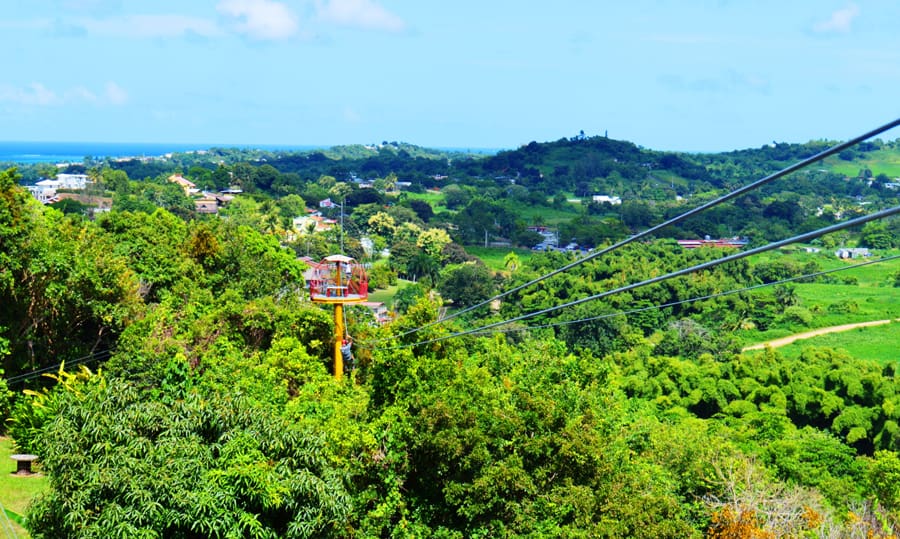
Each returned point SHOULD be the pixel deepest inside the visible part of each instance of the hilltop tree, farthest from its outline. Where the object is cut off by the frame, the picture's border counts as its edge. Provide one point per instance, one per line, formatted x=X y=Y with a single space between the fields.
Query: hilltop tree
x=466 y=284
x=433 y=241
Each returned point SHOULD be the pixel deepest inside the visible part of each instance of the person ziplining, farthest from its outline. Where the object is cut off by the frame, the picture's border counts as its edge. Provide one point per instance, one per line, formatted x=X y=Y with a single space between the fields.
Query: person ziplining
x=347 y=353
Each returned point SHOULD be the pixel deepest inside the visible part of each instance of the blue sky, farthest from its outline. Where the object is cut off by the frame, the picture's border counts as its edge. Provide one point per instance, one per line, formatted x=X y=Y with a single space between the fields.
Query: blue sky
x=702 y=75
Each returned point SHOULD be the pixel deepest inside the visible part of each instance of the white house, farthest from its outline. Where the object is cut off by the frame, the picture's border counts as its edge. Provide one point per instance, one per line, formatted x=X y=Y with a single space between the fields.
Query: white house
x=46 y=190
x=855 y=252
x=71 y=181
x=599 y=199
x=44 y=194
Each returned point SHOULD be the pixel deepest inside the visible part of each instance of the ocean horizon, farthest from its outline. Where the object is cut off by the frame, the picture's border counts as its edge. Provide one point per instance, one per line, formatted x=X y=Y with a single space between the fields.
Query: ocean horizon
x=25 y=152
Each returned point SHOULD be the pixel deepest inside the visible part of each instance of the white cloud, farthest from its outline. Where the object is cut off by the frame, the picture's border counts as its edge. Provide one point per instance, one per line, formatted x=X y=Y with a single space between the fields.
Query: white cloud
x=366 y=14
x=840 y=21
x=260 y=19
x=36 y=94
x=33 y=94
x=151 y=26
x=351 y=116
x=90 y=5
x=725 y=83
x=82 y=94
x=115 y=94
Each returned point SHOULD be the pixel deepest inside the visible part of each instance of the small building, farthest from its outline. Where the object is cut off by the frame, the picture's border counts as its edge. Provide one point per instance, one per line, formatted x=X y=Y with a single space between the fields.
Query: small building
x=209 y=206
x=314 y=268
x=320 y=223
x=600 y=199
x=852 y=252
x=189 y=187
x=722 y=243
x=43 y=194
x=72 y=181
x=382 y=316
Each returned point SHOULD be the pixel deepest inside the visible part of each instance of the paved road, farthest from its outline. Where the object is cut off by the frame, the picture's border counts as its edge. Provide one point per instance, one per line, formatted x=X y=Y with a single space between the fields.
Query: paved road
x=821 y=331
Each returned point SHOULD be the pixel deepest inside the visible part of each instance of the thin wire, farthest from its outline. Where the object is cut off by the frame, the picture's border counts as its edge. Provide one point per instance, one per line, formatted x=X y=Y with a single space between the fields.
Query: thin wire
x=692 y=300
x=706 y=265
x=677 y=219
x=103 y=354
x=56 y=367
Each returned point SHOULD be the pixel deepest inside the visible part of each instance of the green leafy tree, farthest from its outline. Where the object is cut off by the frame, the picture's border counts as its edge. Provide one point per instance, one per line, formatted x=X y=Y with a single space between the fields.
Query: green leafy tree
x=466 y=284
x=382 y=224
x=884 y=478
x=432 y=241
x=65 y=291
x=877 y=235
x=421 y=266
x=511 y=262
x=124 y=466
x=292 y=206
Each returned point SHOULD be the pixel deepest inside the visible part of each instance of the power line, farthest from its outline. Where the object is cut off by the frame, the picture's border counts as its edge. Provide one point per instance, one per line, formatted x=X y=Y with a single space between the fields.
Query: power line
x=677 y=219
x=695 y=299
x=96 y=356
x=706 y=265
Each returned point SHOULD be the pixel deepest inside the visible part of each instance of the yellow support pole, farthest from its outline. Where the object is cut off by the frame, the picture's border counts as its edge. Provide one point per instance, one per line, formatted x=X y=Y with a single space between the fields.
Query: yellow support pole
x=338 y=339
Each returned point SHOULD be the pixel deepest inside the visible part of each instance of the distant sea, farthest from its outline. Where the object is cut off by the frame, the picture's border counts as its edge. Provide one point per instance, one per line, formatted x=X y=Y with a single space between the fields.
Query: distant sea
x=68 y=152
x=75 y=152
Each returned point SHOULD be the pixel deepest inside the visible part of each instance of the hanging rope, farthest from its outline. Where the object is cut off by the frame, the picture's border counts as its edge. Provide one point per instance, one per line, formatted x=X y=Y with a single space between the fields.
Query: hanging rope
x=346 y=331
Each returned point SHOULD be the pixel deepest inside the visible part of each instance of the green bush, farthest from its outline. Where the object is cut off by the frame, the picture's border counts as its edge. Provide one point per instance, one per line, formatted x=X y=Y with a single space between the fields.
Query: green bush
x=797 y=315
x=35 y=409
x=5 y=401
x=30 y=413
x=845 y=306
x=382 y=276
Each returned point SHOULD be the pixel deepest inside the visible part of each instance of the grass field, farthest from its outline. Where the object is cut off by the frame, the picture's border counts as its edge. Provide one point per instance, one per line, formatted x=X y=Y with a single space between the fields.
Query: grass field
x=878 y=343
x=879 y=162
x=435 y=199
x=386 y=295
x=873 y=297
x=493 y=256
x=547 y=216
x=16 y=492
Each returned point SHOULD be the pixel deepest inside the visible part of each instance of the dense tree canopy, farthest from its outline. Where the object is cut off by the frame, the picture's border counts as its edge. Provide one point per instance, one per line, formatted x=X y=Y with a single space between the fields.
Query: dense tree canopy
x=215 y=414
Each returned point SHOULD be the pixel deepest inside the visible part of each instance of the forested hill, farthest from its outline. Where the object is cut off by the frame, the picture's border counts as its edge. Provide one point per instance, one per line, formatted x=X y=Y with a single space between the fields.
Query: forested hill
x=570 y=164
x=579 y=166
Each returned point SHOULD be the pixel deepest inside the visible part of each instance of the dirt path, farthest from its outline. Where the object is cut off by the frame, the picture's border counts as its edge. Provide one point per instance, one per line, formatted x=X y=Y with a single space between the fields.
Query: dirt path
x=821 y=331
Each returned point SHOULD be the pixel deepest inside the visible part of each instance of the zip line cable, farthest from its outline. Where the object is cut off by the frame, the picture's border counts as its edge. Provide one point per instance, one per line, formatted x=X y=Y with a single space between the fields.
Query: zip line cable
x=706 y=265
x=677 y=219
x=104 y=354
x=692 y=300
x=96 y=356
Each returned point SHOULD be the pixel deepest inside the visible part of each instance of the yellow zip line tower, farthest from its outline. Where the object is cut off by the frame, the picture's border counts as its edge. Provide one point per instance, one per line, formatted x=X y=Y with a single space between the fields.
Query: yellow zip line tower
x=338 y=280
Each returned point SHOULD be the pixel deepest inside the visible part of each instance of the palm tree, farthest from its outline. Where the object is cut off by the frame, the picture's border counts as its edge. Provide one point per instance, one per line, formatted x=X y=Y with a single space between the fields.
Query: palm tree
x=511 y=262
x=423 y=266
x=786 y=296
